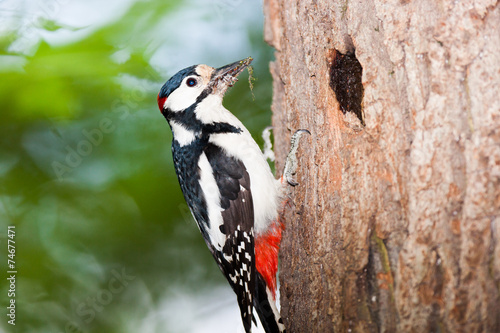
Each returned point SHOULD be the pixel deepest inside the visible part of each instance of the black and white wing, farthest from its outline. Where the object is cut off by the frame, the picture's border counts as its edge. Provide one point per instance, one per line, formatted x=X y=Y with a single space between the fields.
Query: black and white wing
x=237 y=258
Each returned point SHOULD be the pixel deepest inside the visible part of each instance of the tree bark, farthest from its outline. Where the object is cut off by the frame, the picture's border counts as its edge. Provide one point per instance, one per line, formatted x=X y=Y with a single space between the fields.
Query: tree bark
x=395 y=226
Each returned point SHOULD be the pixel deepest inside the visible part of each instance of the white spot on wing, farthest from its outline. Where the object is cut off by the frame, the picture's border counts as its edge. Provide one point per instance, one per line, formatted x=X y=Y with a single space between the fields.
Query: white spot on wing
x=228 y=258
x=234 y=278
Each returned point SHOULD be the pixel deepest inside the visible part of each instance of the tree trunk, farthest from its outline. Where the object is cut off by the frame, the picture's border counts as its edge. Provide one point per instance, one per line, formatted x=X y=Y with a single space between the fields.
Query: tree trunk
x=395 y=226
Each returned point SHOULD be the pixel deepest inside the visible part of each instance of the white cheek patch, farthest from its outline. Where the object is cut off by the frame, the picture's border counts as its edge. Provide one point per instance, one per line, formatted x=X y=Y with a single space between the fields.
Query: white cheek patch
x=183 y=97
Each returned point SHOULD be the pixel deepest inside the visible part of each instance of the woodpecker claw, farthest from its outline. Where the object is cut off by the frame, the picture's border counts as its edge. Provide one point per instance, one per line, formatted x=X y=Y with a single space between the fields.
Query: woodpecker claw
x=291 y=159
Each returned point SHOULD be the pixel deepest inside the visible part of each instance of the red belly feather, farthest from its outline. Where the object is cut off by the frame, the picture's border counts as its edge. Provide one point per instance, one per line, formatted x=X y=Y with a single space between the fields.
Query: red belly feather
x=266 y=254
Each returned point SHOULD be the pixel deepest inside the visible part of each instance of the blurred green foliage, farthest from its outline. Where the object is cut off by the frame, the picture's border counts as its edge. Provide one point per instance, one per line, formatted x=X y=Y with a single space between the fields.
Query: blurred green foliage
x=87 y=177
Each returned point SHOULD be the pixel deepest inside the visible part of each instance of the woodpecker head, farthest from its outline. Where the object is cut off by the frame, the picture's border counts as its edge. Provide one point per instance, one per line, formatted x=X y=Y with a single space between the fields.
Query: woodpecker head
x=193 y=84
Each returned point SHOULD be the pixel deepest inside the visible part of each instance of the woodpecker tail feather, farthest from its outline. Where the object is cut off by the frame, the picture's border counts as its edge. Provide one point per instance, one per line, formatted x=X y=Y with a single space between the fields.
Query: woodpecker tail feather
x=265 y=306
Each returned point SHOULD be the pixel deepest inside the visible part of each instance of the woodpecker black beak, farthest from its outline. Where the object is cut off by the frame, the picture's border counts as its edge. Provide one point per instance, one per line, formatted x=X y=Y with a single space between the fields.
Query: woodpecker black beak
x=225 y=76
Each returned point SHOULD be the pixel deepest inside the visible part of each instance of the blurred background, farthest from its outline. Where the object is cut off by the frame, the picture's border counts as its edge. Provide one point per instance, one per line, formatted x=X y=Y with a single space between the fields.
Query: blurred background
x=104 y=239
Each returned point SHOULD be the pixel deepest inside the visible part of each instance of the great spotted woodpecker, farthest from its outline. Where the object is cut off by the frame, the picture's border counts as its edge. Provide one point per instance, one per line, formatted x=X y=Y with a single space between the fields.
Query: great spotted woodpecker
x=228 y=186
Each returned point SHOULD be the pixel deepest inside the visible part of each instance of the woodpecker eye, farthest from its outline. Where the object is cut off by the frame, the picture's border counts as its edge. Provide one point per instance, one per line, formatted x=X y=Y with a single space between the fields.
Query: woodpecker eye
x=191 y=82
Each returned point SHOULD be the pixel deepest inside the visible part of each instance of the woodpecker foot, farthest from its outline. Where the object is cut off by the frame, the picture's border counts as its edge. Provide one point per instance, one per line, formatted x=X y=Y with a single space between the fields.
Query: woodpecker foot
x=291 y=159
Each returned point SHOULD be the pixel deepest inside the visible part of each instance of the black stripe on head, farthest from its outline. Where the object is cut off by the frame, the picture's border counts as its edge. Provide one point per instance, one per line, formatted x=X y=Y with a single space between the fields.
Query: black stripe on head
x=187 y=117
x=175 y=81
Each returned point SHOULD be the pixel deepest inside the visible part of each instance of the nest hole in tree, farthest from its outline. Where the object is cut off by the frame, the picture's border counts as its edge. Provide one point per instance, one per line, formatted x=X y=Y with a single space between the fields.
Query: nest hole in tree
x=345 y=80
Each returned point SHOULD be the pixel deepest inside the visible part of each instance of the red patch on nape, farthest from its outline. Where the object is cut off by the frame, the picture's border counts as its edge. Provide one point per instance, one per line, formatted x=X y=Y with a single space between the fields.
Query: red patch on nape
x=161 y=102
x=267 y=246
